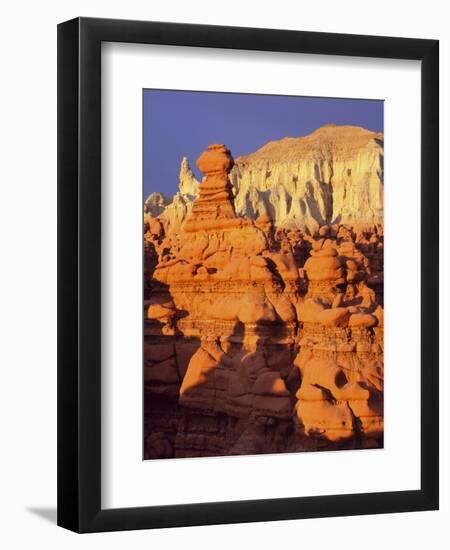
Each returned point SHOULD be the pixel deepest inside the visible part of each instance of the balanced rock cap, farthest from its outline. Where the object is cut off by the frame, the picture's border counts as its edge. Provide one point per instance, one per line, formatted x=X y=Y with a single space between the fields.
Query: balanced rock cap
x=216 y=159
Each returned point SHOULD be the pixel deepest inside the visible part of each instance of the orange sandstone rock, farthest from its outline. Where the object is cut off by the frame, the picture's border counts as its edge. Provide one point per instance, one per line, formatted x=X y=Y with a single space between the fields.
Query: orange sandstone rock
x=256 y=338
x=362 y=320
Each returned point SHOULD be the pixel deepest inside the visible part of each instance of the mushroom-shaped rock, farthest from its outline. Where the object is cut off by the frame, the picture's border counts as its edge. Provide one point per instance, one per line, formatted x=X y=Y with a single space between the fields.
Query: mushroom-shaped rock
x=213 y=207
x=324 y=265
x=216 y=159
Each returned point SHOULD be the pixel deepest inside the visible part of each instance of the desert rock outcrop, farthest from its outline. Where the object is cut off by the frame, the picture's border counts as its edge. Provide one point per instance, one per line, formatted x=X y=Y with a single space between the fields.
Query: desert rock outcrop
x=259 y=338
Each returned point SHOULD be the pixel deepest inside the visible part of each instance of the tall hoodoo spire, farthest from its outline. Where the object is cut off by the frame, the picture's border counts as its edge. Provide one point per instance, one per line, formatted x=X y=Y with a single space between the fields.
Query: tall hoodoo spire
x=215 y=199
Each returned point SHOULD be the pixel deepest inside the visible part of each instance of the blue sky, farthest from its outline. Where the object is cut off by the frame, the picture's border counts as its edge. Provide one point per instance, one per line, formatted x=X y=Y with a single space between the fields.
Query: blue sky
x=179 y=123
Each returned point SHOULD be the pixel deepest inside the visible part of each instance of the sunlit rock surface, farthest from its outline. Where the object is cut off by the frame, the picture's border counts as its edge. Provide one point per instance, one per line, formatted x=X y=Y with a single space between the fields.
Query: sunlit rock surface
x=260 y=336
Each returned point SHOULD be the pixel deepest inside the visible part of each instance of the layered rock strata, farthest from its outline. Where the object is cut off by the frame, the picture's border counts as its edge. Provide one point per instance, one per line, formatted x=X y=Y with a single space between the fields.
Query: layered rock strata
x=258 y=339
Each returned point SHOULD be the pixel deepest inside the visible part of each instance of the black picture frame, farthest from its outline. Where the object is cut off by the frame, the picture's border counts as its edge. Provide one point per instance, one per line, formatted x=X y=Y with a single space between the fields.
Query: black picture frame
x=79 y=274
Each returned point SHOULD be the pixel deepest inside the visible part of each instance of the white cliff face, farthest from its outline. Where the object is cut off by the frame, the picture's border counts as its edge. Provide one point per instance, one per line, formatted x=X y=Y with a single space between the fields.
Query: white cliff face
x=334 y=175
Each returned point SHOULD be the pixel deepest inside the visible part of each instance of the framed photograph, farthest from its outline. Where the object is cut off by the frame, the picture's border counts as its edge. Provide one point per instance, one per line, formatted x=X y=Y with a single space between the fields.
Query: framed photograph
x=248 y=275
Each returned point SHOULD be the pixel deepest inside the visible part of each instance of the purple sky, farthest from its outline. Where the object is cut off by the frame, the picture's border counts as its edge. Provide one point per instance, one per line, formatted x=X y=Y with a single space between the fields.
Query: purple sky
x=178 y=124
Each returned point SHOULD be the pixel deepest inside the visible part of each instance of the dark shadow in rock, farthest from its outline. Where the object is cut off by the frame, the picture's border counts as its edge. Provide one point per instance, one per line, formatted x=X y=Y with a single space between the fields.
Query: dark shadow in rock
x=166 y=352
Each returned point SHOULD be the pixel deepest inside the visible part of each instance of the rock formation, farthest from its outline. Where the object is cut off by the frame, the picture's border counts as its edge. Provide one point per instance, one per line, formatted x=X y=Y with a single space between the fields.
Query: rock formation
x=175 y=212
x=156 y=203
x=334 y=175
x=259 y=338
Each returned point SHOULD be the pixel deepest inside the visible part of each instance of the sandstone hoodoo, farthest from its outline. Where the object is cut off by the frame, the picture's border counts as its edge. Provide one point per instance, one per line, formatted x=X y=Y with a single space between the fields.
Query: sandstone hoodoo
x=262 y=336
x=214 y=204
